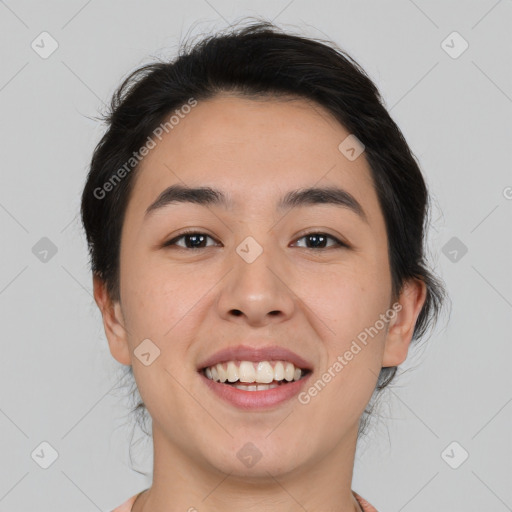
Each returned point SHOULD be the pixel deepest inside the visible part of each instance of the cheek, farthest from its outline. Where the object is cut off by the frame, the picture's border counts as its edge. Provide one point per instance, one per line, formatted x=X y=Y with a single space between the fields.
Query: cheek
x=160 y=298
x=347 y=308
x=347 y=304
x=346 y=299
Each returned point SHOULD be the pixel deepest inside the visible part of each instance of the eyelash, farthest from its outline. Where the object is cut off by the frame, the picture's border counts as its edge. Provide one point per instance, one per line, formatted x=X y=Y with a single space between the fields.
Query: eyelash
x=339 y=244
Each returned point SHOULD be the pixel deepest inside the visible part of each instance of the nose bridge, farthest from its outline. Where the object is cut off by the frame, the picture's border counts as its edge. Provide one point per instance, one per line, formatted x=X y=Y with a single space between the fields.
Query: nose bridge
x=256 y=285
x=254 y=261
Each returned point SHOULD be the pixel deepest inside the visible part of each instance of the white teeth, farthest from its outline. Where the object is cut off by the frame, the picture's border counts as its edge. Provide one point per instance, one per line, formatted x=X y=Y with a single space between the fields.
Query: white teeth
x=289 y=372
x=279 y=371
x=246 y=372
x=221 y=373
x=232 y=372
x=262 y=373
x=265 y=372
x=258 y=387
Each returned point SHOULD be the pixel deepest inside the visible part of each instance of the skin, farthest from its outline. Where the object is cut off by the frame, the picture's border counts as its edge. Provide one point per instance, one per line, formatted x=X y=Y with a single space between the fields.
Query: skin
x=314 y=301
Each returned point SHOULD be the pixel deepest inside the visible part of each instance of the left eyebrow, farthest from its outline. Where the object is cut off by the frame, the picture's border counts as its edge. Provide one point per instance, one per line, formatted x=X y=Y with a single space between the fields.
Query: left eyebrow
x=295 y=198
x=322 y=195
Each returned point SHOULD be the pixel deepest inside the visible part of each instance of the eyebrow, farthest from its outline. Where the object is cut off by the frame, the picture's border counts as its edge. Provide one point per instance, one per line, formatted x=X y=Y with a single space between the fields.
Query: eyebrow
x=207 y=196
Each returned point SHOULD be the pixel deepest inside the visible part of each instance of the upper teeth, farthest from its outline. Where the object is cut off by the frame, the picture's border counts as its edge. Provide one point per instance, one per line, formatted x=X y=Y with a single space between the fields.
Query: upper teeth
x=247 y=371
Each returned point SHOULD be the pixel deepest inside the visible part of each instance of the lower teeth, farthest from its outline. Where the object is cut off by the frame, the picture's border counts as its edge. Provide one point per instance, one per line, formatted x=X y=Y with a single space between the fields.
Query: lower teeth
x=255 y=387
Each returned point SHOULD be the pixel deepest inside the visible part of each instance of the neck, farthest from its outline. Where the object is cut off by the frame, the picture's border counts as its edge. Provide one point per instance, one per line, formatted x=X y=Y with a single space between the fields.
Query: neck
x=185 y=483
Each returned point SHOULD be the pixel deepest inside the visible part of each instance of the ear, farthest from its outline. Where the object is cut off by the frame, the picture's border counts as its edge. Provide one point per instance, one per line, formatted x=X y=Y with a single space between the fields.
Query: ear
x=401 y=327
x=113 y=322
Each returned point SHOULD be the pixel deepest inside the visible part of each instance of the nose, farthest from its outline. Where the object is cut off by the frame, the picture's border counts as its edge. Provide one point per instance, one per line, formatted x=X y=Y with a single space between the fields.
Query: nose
x=257 y=291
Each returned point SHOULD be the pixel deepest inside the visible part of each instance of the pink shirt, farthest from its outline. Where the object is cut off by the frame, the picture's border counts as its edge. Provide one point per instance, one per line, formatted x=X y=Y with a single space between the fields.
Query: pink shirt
x=127 y=505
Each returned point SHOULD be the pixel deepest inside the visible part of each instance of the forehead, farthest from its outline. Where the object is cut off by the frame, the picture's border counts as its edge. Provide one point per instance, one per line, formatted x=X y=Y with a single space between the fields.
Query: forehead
x=254 y=149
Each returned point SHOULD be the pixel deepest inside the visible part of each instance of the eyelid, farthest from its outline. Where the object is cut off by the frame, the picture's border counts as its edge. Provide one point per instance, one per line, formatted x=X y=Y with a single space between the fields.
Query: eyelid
x=339 y=243
x=172 y=241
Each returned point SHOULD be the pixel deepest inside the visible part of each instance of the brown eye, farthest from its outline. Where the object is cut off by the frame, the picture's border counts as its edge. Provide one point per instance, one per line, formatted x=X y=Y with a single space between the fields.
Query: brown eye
x=319 y=241
x=193 y=240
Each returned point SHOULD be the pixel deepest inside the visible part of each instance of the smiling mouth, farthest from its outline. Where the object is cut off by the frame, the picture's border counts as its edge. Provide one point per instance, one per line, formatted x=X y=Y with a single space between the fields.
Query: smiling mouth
x=254 y=376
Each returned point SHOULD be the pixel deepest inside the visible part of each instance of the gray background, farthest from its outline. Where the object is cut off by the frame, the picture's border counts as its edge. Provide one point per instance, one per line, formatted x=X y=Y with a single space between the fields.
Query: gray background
x=57 y=377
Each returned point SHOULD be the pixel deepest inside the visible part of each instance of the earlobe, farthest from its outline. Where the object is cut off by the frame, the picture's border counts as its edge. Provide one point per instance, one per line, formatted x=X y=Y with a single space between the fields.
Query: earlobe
x=113 y=322
x=401 y=328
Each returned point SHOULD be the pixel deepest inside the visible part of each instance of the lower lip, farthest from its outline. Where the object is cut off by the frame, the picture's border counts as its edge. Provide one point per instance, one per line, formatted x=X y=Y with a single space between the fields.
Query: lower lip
x=249 y=400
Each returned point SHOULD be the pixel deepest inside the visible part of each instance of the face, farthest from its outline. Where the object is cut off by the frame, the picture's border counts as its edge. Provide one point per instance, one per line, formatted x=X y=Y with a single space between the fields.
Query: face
x=308 y=278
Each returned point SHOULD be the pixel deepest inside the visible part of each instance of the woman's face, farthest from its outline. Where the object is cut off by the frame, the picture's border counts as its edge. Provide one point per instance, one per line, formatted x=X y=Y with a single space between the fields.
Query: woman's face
x=251 y=277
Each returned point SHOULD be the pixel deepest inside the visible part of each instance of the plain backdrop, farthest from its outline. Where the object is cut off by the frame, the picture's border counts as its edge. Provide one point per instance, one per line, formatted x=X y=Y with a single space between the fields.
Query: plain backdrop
x=443 y=438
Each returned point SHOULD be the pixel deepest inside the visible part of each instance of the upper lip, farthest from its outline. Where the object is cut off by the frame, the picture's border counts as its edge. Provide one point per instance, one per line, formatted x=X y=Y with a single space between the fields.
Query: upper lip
x=247 y=353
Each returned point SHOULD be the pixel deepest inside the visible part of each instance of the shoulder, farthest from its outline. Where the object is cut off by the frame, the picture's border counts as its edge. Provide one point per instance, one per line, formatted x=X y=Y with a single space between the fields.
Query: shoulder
x=364 y=504
x=127 y=505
